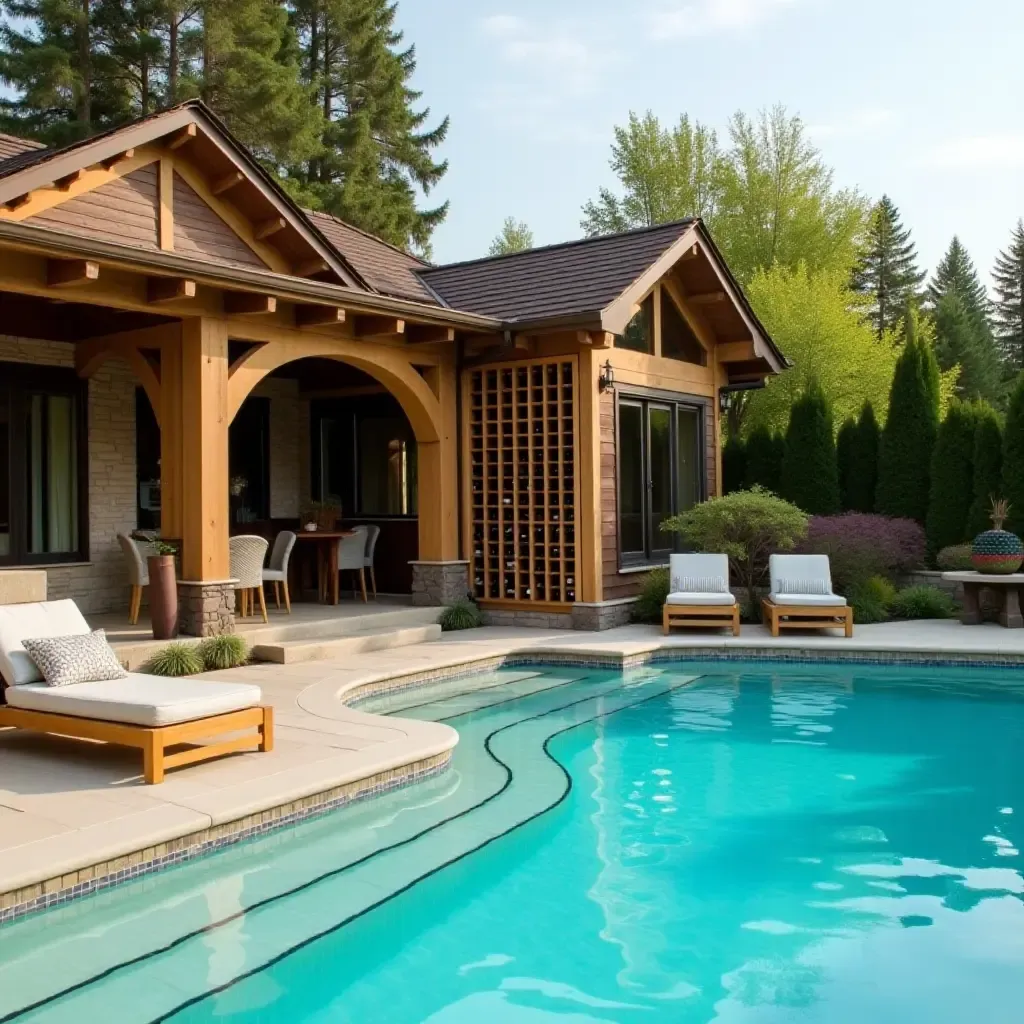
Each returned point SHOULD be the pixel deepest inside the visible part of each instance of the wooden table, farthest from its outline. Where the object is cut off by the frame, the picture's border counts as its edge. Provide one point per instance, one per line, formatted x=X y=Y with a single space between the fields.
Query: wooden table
x=1007 y=585
x=326 y=542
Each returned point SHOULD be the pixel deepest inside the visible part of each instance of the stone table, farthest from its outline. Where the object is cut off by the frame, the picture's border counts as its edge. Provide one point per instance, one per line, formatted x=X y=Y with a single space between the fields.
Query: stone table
x=1006 y=585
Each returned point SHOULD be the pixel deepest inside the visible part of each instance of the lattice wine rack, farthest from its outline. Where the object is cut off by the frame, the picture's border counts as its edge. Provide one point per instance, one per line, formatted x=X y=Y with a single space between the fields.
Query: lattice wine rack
x=522 y=481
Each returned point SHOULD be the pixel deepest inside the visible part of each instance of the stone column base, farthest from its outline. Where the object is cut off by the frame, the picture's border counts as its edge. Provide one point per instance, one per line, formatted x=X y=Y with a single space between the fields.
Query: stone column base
x=439 y=583
x=206 y=608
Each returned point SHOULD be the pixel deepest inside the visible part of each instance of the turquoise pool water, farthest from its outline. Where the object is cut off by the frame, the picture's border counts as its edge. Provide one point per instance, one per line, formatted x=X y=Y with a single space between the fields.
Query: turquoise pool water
x=738 y=843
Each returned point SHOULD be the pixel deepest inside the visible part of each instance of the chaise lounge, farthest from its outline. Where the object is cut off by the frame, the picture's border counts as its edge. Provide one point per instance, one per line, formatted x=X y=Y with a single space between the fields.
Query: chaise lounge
x=154 y=714
x=801 y=596
x=699 y=594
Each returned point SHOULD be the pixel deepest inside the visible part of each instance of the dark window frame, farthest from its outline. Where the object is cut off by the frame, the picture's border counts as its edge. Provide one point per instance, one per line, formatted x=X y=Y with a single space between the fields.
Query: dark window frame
x=18 y=383
x=675 y=401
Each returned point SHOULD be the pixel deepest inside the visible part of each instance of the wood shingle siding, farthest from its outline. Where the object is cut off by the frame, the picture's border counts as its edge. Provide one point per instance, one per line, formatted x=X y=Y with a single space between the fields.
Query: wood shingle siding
x=198 y=231
x=122 y=211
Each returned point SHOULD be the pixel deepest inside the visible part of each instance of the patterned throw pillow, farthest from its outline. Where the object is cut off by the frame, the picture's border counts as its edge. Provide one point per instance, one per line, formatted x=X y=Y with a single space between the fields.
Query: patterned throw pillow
x=701 y=585
x=84 y=658
x=804 y=587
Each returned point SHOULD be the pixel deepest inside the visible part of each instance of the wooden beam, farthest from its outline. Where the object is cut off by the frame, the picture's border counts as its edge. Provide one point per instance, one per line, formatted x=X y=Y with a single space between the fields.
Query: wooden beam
x=691 y=254
x=229 y=181
x=270 y=227
x=166 y=211
x=249 y=302
x=65 y=273
x=117 y=158
x=69 y=179
x=18 y=201
x=310 y=267
x=365 y=326
x=169 y=289
x=182 y=136
x=424 y=334
x=602 y=339
x=735 y=352
x=318 y=316
x=706 y=298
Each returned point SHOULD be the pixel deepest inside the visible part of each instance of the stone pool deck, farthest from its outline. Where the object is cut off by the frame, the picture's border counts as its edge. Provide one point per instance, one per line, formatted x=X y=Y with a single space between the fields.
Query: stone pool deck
x=76 y=816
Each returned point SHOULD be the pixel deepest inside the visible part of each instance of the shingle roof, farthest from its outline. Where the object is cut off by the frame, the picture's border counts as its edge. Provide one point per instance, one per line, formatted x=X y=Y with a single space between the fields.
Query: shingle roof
x=383 y=267
x=556 y=280
x=11 y=146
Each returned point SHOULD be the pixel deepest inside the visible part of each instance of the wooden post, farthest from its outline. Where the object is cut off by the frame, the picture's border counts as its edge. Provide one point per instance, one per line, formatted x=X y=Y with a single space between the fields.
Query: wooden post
x=437 y=502
x=204 y=449
x=171 y=480
x=588 y=479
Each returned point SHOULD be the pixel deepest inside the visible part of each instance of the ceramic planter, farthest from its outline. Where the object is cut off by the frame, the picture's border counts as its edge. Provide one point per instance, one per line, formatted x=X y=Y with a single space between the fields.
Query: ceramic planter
x=997 y=551
x=163 y=597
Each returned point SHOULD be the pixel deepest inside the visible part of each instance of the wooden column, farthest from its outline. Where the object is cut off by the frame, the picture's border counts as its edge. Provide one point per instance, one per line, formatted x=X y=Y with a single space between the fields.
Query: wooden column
x=204 y=449
x=171 y=480
x=437 y=504
x=588 y=480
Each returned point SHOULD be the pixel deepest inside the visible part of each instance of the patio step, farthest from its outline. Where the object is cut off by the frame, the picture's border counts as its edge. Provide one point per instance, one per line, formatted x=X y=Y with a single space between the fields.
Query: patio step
x=289 y=652
x=376 y=618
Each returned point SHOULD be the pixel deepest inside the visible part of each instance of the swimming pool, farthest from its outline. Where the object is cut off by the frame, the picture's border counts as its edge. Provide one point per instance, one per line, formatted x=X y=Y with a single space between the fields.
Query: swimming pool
x=745 y=843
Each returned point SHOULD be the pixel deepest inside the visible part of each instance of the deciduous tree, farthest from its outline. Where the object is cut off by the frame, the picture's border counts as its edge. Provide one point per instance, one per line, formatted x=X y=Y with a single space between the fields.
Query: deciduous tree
x=515 y=236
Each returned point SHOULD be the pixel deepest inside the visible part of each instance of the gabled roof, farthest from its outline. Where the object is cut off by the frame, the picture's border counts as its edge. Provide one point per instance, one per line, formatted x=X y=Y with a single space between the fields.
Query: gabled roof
x=12 y=145
x=553 y=281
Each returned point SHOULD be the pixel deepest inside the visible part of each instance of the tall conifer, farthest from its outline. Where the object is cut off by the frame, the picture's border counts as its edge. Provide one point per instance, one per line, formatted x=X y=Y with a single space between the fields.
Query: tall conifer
x=1008 y=312
x=810 y=474
x=862 y=481
x=952 y=479
x=988 y=468
x=1013 y=458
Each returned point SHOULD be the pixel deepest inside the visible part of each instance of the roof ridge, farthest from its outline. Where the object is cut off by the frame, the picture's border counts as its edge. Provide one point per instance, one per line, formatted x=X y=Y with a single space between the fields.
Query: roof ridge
x=681 y=223
x=367 y=234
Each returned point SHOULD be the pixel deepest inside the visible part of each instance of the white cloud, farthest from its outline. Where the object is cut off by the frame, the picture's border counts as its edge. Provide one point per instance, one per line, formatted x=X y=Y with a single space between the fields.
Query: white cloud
x=675 y=19
x=980 y=152
x=855 y=124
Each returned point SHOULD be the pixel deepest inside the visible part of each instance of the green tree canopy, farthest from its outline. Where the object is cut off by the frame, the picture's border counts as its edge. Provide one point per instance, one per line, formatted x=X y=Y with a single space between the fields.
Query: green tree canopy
x=515 y=236
x=734 y=464
x=764 y=460
x=964 y=340
x=887 y=273
x=952 y=479
x=987 y=483
x=810 y=474
x=1013 y=458
x=1008 y=275
x=956 y=273
x=845 y=440
x=862 y=478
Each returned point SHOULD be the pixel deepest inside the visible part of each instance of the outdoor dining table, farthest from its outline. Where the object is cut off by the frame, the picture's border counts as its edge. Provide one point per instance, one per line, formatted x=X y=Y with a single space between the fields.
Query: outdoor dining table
x=326 y=542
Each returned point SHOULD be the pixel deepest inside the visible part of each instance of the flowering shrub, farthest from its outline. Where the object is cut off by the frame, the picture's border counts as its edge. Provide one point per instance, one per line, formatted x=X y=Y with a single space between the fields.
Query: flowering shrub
x=861 y=545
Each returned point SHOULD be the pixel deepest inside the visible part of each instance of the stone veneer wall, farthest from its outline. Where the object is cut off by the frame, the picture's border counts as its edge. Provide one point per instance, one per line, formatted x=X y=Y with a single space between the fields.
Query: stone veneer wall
x=101 y=584
x=439 y=583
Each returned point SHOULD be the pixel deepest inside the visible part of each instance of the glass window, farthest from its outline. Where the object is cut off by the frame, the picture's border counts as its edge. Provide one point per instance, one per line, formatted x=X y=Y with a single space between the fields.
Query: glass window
x=249 y=461
x=52 y=475
x=639 y=332
x=386 y=467
x=677 y=338
x=631 y=477
x=688 y=458
x=660 y=470
x=5 y=474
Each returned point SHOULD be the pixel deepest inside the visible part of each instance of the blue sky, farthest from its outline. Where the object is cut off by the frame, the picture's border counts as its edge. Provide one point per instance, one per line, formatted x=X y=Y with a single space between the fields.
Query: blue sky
x=918 y=98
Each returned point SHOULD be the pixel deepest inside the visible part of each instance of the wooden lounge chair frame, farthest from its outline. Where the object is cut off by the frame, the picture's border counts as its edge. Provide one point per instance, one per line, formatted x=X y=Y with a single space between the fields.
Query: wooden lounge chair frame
x=154 y=742
x=806 y=616
x=707 y=616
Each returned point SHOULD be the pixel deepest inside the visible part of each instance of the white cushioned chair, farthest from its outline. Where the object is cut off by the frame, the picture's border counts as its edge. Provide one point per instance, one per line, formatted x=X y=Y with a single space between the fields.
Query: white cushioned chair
x=801 y=596
x=277 y=571
x=135 y=556
x=699 y=593
x=144 y=711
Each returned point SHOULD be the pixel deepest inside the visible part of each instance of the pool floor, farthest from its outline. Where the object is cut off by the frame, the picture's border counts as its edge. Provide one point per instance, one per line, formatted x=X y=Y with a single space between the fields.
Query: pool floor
x=706 y=842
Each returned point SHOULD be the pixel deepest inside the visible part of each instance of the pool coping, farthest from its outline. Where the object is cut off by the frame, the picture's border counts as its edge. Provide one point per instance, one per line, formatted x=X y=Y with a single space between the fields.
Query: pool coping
x=60 y=888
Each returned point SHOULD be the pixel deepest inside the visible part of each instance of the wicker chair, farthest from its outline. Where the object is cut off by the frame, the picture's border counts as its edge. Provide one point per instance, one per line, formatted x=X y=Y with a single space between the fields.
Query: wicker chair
x=135 y=556
x=277 y=571
x=247 y=554
x=352 y=556
x=372 y=533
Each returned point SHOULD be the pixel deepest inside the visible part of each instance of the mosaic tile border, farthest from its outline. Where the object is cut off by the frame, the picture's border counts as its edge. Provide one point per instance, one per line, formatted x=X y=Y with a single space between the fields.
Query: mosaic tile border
x=62 y=889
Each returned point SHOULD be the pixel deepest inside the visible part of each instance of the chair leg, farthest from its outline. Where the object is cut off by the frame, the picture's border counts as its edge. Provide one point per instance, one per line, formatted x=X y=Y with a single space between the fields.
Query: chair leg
x=153 y=758
x=373 y=581
x=277 y=594
x=362 y=583
x=287 y=598
x=263 y=603
x=266 y=730
x=736 y=620
x=133 y=605
x=664 y=620
x=849 y=622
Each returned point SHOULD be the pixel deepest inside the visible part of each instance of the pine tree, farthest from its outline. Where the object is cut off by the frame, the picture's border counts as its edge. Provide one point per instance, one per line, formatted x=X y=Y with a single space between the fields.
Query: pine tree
x=988 y=468
x=763 y=461
x=887 y=270
x=965 y=340
x=1013 y=458
x=734 y=465
x=1008 y=275
x=845 y=443
x=863 y=473
x=952 y=479
x=810 y=474
x=956 y=273
x=904 y=464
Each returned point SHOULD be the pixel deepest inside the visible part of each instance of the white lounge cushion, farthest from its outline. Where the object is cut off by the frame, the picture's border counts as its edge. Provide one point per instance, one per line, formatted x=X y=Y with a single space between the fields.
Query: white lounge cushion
x=815 y=600
x=786 y=586
x=799 y=567
x=699 y=597
x=137 y=699
x=697 y=566
x=19 y=622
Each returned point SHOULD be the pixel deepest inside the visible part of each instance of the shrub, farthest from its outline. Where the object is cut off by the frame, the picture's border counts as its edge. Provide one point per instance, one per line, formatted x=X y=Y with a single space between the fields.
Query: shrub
x=764 y=460
x=845 y=441
x=810 y=475
x=988 y=468
x=860 y=546
x=745 y=525
x=952 y=479
x=871 y=599
x=922 y=603
x=904 y=464
x=464 y=614
x=176 y=659
x=227 y=651
x=649 y=604
x=734 y=465
x=1013 y=458
x=862 y=480
x=955 y=558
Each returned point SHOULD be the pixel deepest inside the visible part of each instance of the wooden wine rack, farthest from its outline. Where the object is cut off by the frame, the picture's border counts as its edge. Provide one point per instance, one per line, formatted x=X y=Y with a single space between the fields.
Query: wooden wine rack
x=520 y=433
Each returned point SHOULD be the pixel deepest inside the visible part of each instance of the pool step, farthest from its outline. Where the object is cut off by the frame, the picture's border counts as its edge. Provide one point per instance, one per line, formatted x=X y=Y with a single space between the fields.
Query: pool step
x=289 y=652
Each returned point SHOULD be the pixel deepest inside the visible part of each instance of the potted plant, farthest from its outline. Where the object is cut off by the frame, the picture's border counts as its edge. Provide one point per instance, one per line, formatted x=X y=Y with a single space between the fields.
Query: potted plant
x=325 y=514
x=997 y=550
x=163 y=591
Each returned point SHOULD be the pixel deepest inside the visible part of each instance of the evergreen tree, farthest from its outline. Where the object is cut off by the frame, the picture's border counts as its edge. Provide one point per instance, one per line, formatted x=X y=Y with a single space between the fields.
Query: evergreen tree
x=956 y=273
x=845 y=443
x=887 y=271
x=904 y=463
x=863 y=473
x=810 y=474
x=965 y=340
x=1013 y=458
x=734 y=465
x=952 y=479
x=764 y=460
x=1008 y=275
x=515 y=236
x=987 y=459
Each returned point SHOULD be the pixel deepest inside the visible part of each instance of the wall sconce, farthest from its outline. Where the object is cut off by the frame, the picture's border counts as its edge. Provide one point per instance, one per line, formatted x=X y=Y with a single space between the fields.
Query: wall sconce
x=607 y=378
x=724 y=400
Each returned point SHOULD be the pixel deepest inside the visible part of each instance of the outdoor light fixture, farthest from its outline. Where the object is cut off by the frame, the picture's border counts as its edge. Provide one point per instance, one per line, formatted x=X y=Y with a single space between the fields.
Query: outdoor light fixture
x=607 y=378
x=724 y=400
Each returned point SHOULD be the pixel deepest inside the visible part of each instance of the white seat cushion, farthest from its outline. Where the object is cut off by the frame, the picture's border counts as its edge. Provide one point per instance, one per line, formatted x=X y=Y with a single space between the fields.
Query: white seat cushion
x=137 y=699
x=34 y=621
x=685 y=597
x=270 y=575
x=817 y=600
